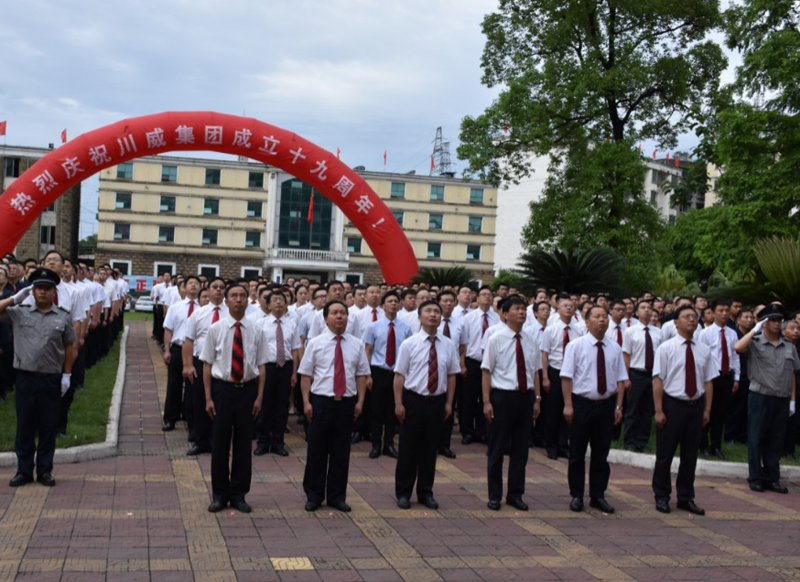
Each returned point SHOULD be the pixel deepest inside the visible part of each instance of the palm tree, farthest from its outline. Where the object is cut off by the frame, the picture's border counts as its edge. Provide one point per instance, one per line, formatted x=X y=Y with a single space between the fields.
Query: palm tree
x=439 y=277
x=593 y=271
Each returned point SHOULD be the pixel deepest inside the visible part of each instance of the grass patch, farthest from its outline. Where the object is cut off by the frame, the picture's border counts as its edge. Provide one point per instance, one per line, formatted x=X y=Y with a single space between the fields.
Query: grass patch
x=138 y=315
x=89 y=413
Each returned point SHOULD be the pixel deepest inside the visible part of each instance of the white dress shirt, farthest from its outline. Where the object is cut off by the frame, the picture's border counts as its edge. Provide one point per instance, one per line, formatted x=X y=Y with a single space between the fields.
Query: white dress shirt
x=377 y=336
x=291 y=341
x=412 y=362
x=457 y=335
x=176 y=319
x=218 y=349
x=319 y=362
x=500 y=358
x=82 y=301
x=490 y=332
x=669 y=331
x=197 y=326
x=318 y=326
x=629 y=322
x=611 y=332
x=712 y=338
x=460 y=313
x=634 y=344
x=364 y=317
x=535 y=329
x=473 y=328
x=553 y=341
x=670 y=366
x=172 y=296
x=252 y=308
x=580 y=364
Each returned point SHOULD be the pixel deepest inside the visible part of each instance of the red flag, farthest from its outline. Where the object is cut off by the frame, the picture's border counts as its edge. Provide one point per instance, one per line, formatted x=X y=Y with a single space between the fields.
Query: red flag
x=677 y=162
x=338 y=153
x=667 y=156
x=311 y=210
x=640 y=148
x=64 y=136
x=433 y=164
x=3 y=127
x=654 y=154
x=385 y=154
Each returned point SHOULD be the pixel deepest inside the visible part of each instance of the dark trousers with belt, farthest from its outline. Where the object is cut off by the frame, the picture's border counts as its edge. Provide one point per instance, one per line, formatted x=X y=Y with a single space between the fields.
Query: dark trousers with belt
x=203 y=426
x=472 y=419
x=683 y=428
x=639 y=410
x=736 y=422
x=766 y=430
x=383 y=419
x=556 y=430
x=38 y=403
x=173 y=404
x=712 y=433
x=592 y=425
x=274 y=414
x=233 y=431
x=419 y=442
x=328 y=456
x=513 y=418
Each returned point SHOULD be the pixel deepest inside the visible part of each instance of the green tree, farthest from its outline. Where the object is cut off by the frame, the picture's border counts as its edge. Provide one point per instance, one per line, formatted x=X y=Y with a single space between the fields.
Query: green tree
x=439 y=277
x=595 y=271
x=507 y=277
x=88 y=245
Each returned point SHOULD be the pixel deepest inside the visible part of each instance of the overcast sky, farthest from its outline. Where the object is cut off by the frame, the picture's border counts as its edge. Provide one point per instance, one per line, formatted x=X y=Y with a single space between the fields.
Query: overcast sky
x=362 y=75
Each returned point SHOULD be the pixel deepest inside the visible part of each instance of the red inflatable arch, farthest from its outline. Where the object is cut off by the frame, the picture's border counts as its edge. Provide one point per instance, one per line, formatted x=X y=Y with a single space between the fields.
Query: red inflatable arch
x=119 y=142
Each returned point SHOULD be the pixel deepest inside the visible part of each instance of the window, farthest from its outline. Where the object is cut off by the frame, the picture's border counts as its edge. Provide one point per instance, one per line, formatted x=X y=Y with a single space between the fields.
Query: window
x=473 y=252
x=209 y=236
x=208 y=270
x=167 y=204
x=52 y=207
x=166 y=234
x=475 y=224
x=12 y=167
x=252 y=238
x=251 y=272
x=255 y=180
x=653 y=195
x=123 y=266
x=398 y=190
x=435 y=222
x=672 y=219
x=434 y=250
x=294 y=231
x=476 y=195
x=161 y=268
x=254 y=209
x=211 y=206
x=125 y=171
x=354 y=278
x=47 y=235
x=353 y=244
x=123 y=201
x=437 y=193
x=212 y=177
x=169 y=174
x=122 y=232
x=398 y=214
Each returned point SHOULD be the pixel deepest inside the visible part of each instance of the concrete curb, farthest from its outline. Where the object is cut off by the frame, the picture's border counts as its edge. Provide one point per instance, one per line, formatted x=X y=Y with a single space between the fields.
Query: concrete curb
x=97 y=450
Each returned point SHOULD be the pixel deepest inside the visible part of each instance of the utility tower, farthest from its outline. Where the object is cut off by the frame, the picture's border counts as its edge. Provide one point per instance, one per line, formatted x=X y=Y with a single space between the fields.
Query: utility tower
x=441 y=156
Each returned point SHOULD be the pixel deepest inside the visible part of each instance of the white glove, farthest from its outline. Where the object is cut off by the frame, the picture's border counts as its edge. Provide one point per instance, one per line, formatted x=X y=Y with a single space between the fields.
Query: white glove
x=22 y=295
x=791 y=408
x=759 y=325
x=65 y=378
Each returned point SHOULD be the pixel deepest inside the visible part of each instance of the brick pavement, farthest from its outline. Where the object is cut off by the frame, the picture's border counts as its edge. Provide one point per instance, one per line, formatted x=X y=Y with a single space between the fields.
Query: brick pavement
x=142 y=516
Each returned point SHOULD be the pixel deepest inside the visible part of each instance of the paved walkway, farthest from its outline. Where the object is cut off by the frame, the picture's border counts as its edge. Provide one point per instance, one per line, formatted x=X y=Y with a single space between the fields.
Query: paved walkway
x=142 y=516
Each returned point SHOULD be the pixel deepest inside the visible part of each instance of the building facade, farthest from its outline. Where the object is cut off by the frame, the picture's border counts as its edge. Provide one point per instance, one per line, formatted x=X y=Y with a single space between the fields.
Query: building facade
x=55 y=228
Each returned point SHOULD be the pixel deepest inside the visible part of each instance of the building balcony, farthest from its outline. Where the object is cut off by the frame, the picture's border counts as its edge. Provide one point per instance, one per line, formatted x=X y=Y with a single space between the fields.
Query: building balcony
x=307 y=258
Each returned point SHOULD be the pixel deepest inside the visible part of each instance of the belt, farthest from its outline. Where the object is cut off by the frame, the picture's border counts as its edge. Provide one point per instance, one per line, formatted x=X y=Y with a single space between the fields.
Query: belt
x=687 y=402
x=429 y=397
x=728 y=373
x=275 y=365
x=334 y=398
x=237 y=384
x=39 y=373
x=595 y=402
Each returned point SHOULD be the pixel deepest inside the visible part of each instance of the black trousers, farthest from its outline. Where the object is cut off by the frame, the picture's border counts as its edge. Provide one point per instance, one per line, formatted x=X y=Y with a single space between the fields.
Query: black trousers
x=592 y=425
x=38 y=403
x=79 y=367
x=539 y=425
x=446 y=437
x=766 y=430
x=736 y=422
x=639 y=410
x=274 y=414
x=158 y=323
x=383 y=420
x=66 y=403
x=683 y=428
x=173 y=403
x=233 y=431
x=328 y=456
x=712 y=433
x=7 y=372
x=513 y=418
x=419 y=443
x=557 y=430
x=472 y=420
x=203 y=426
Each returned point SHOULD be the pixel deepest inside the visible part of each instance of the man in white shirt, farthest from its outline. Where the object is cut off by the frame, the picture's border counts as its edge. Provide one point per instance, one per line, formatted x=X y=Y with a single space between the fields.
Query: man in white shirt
x=593 y=379
x=335 y=370
x=464 y=299
x=682 y=375
x=233 y=377
x=510 y=383
x=535 y=324
x=372 y=310
x=424 y=388
x=451 y=328
x=408 y=299
x=159 y=297
x=335 y=292
x=359 y=300
x=668 y=330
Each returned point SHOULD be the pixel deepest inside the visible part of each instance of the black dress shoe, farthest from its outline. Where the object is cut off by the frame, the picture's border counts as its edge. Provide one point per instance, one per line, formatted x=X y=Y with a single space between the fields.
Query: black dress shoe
x=467 y=439
x=168 y=426
x=241 y=506
x=341 y=506
x=261 y=451
x=494 y=504
x=691 y=507
x=403 y=503
x=552 y=456
x=601 y=504
x=756 y=486
x=775 y=486
x=355 y=438
x=217 y=506
x=576 y=504
x=46 y=479
x=719 y=454
x=517 y=504
x=197 y=450
x=20 y=479
x=279 y=450
x=447 y=453
x=662 y=505
x=312 y=505
x=375 y=453
x=286 y=430
x=429 y=502
x=564 y=453
x=390 y=451
x=191 y=438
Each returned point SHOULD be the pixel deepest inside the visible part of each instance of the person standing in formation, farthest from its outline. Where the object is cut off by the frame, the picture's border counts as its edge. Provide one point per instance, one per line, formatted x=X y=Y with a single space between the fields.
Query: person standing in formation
x=451 y=328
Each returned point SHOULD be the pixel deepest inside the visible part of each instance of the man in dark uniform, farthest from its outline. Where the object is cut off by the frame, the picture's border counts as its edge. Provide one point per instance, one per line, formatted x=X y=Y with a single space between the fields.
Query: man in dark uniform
x=44 y=351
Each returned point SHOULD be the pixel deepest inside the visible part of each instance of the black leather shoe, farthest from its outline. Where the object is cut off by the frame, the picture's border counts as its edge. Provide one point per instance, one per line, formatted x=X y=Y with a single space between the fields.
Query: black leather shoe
x=775 y=486
x=447 y=453
x=563 y=453
x=20 y=479
x=719 y=454
x=576 y=504
x=517 y=504
x=279 y=450
x=601 y=504
x=261 y=451
x=494 y=504
x=756 y=486
x=312 y=505
x=241 y=506
x=390 y=451
x=341 y=506
x=46 y=479
x=197 y=450
x=429 y=502
x=355 y=438
x=552 y=456
x=403 y=503
x=375 y=453
x=168 y=426
x=662 y=505
x=467 y=439
x=216 y=506
x=691 y=507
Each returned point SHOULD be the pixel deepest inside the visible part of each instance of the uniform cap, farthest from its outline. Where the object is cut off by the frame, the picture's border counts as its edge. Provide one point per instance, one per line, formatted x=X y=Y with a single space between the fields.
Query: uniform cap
x=42 y=277
x=774 y=311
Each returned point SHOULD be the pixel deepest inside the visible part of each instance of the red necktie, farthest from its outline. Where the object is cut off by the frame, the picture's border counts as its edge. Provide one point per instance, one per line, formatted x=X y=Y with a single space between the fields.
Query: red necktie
x=339 y=379
x=446 y=330
x=648 y=350
x=619 y=336
x=280 y=348
x=691 y=373
x=726 y=365
x=566 y=339
x=391 y=346
x=237 y=358
x=215 y=319
x=485 y=323
x=601 y=369
x=628 y=323
x=55 y=297
x=191 y=309
x=522 y=376
x=374 y=314
x=433 y=367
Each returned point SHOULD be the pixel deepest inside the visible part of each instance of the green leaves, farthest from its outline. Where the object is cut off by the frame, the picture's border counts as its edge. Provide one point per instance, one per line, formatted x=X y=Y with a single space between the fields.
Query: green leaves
x=439 y=277
x=594 y=271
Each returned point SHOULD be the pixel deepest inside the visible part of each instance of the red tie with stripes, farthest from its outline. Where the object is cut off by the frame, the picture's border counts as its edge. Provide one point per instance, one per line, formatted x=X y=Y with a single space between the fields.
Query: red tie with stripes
x=433 y=367
x=522 y=374
x=339 y=378
x=237 y=357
